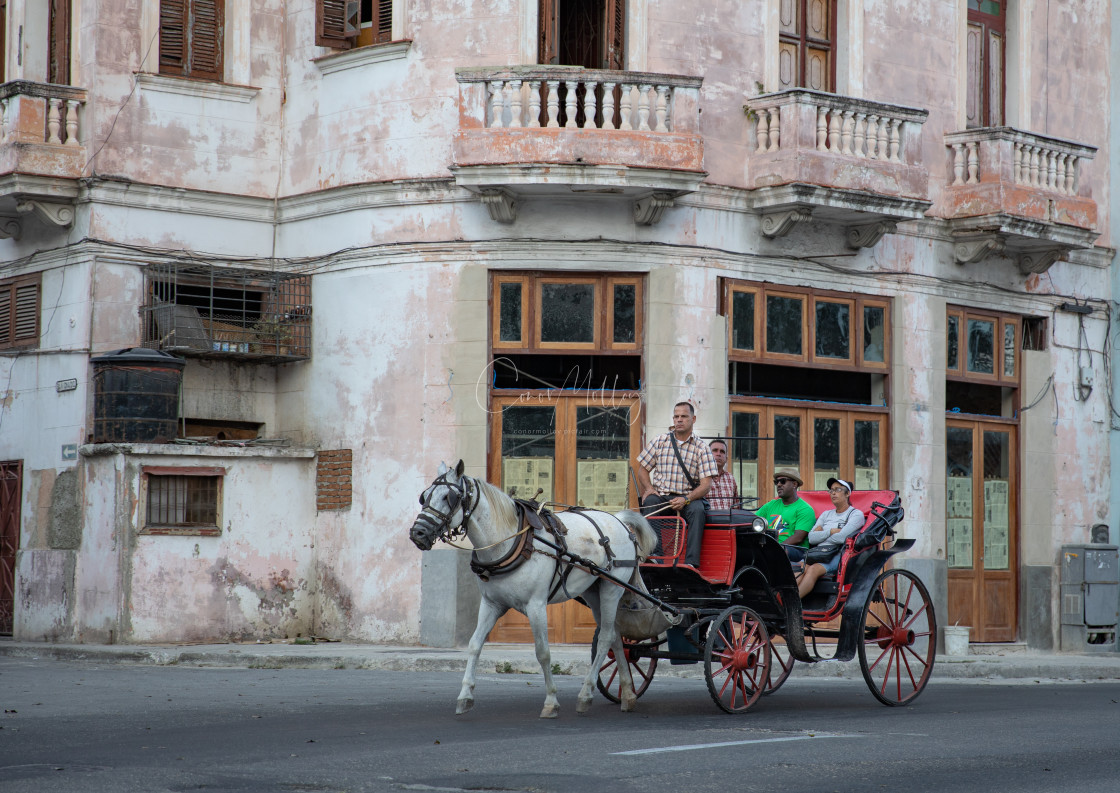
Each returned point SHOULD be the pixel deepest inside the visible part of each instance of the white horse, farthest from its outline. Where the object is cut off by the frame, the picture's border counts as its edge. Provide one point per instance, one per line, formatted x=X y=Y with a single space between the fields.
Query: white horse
x=454 y=505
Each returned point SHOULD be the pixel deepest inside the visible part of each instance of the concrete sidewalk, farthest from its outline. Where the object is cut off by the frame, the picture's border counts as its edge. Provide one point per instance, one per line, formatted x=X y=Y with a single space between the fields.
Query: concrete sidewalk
x=994 y=662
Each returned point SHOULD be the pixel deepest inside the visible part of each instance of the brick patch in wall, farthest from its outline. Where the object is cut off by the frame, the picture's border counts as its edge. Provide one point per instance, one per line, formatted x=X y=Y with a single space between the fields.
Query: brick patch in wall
x=333 y=479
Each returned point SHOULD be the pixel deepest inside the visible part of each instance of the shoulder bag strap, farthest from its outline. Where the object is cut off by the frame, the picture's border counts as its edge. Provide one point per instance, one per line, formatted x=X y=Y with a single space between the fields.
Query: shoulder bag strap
x=692 y=483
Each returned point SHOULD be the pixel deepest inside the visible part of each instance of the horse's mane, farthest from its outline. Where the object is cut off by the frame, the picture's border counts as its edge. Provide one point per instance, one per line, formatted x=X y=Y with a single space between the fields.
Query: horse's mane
x=501 y=505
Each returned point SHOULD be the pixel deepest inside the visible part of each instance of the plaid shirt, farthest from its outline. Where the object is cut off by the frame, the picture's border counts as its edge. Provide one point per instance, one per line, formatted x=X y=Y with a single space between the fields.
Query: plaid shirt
x=724 y=493
x=666 y=474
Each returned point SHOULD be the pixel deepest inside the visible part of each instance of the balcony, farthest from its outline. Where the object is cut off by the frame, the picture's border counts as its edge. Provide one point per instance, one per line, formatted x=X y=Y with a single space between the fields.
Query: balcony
x=838 y=159
x=547 y=131
x=41 y=157
x=1018 y=194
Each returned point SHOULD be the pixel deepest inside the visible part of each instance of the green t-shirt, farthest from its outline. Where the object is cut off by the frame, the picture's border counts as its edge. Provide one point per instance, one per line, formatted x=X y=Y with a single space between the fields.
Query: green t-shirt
x=798 y=516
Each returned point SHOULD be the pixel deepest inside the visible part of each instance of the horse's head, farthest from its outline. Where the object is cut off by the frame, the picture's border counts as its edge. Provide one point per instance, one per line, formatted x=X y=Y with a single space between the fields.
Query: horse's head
x=446 y=507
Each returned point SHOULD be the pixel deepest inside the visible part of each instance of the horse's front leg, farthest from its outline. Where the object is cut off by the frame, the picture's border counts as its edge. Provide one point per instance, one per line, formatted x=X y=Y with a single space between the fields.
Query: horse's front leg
x=537 y=612
x=488 y=614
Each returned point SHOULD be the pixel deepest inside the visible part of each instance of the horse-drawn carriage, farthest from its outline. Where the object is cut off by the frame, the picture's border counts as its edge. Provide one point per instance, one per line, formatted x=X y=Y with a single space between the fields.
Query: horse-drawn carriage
x=738 y=612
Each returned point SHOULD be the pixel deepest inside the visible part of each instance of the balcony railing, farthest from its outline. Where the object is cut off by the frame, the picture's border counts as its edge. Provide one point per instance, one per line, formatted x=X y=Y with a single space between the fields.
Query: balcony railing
x=567 y=114
x=42 y=115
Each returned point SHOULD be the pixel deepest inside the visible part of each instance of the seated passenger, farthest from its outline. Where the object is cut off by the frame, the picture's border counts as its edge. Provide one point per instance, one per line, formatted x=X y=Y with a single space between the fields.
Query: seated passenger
x=724 y=492
x=796 y=515
x=832 y=529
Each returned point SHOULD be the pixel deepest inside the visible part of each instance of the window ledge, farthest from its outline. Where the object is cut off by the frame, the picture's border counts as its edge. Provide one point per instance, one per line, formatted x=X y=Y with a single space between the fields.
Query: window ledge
x=204 y=89
x=361 y=56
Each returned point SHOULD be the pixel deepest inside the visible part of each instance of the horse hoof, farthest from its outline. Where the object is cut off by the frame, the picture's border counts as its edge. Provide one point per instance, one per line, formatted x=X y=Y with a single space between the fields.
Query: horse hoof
x=463 y=705
x=583 y=706
x=628 y=704
x=550 y=712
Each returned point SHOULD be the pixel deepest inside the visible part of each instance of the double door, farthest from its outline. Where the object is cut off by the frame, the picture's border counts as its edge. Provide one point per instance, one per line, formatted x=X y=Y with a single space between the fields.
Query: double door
x=982 y=528
x=574 y=450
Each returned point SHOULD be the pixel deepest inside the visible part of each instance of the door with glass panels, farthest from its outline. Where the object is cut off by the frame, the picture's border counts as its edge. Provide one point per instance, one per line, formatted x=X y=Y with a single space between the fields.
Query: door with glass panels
x=981 y=528
x=574 y=450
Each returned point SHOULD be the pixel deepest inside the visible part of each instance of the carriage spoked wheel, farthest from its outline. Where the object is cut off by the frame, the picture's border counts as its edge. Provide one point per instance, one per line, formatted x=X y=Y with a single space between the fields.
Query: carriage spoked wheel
x=781 y=664
x=736 y=659
x=642 y=669
x=899 y=634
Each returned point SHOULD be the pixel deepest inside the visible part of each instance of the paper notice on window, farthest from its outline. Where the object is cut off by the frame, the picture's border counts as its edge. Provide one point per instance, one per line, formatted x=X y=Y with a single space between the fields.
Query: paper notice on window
x=958 y=551
x=602 y=484
x=996 y=523
x=746 y=476
x=958 y=497
x=867 y=479
x=522 y=476
x=820 y=479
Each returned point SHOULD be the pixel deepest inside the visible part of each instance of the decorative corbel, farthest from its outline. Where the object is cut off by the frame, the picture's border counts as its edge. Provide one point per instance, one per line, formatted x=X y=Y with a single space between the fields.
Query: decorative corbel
x=867 y=235
x=1039 y=261
x=779 y=224
x=501 y=204
x=973 y=250
x=53 y=213
x=648 y=210
x=10 y=228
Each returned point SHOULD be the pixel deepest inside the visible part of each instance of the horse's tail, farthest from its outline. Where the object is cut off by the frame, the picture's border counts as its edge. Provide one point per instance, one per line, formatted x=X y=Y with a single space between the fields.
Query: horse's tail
x=647 y=537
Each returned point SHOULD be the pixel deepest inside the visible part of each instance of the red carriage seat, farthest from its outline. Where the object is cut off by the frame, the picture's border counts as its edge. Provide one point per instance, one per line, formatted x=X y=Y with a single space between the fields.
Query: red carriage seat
x=862 y=500
x=717 y=552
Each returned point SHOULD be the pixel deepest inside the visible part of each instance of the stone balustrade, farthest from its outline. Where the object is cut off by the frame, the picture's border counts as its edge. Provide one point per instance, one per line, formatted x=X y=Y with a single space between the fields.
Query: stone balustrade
x=804 y=135
x=1027 y=160
x=40 y=113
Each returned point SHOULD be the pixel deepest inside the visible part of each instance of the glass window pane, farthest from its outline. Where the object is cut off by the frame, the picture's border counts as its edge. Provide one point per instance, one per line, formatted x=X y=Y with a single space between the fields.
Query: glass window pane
x=866 y=442
x=742 y=320
x=602 y=457
x=744 y=454
x=981 y=346
x=783 y=324
x=528 y=450
x=568 y=313
x=952 y=344
x=958 y=497
x=832 y=330
x=787 y=442
x=826 y=452
x=874 y=339
x=625 y=313
x=997 y=508
x=1008 y=350
x=509 y=303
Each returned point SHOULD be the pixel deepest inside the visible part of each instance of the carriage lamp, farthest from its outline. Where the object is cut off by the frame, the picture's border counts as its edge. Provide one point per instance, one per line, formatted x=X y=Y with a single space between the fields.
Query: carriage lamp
x=758 y=524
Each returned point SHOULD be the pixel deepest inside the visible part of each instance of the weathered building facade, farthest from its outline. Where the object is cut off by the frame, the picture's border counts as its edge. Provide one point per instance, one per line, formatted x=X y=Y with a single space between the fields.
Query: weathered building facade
x=385 y=234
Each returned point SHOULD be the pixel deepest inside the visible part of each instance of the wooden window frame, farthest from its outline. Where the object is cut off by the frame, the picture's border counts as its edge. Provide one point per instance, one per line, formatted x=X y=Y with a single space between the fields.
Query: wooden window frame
x=178 y=53
x=1001 y=320
x=1016 y=324
x=988 y=25
x=58 y=49
x=10 y=339
x=810 y=298
x=802 y=41
x=532 y=295
x=182 y=529
x=958 y=315
x=855 y=324
x=754 y=291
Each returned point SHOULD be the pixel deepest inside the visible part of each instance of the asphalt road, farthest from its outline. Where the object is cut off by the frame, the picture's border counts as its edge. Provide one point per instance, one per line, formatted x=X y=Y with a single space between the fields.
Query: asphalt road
x=72 y=726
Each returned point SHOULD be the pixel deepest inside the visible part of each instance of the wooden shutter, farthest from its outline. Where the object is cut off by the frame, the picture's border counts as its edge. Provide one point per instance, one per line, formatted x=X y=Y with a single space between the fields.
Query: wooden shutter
x=806 y=44
x=206 y=42
x=383 y=25
x=173 y=36
x=985 y=63
x=615 y=39
x=19 y=314
x=336 y=23
x=547 y=47
x=58 y=69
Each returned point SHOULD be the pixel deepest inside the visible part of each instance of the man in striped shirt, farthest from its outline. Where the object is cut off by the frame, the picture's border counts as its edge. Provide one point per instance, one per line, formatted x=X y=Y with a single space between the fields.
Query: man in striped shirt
x=663 y=479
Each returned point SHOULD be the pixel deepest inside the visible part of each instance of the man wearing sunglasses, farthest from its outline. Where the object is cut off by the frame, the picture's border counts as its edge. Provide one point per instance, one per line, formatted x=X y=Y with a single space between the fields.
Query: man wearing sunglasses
x=796 y=514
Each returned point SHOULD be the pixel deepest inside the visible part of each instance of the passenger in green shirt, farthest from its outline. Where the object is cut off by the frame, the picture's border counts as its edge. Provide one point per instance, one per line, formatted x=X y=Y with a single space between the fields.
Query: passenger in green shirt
x=795 y=513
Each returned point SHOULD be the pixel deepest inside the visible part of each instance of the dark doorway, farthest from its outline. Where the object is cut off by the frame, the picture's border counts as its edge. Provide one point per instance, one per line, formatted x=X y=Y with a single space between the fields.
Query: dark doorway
x=588 y=33
x=11 y=490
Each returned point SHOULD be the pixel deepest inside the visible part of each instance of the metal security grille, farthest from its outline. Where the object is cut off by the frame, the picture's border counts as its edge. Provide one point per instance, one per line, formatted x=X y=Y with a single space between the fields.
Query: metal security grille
x=182 y=501
x=11 y=478
x=215 y=312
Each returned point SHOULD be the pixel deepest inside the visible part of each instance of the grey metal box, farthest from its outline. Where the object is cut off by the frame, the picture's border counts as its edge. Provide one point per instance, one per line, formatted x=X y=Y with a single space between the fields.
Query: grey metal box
x=1102 y=604
x=1097 y=563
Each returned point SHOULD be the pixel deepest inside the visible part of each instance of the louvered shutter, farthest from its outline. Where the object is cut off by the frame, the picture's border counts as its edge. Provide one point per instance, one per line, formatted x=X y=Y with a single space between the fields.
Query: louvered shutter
x=336 y=23
x=383 y=25
x=615 y=55
x=26 y=314
x=173 y=36
x=206 y=23
x=5 y=316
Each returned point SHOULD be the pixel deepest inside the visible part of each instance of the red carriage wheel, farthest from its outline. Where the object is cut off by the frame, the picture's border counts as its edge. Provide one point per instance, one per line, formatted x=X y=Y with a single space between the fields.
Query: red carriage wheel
x=736 y=659
x=899 y=638
x=642 y=669
x=781 y=664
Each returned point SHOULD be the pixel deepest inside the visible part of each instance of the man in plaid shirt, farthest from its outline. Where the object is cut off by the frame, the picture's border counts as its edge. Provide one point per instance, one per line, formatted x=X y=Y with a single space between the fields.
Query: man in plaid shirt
x=724 y=493
x=664 y=481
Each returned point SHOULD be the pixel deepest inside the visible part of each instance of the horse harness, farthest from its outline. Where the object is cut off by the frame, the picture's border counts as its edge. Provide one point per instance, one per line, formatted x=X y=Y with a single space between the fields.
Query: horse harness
x=534 y=523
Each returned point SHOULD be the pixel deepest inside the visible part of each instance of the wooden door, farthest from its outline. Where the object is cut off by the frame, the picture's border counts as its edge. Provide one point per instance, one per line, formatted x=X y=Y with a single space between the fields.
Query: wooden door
x=981 y=527
x=578 y=449
x=11 y=481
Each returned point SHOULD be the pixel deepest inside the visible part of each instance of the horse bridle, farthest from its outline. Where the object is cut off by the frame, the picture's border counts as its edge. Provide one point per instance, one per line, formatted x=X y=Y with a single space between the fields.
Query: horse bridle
x=461 y=496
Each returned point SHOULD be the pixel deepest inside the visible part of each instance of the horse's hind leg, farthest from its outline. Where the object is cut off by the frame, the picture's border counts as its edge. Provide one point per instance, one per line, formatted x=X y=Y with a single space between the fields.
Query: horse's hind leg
x=604 y=604
x=488 y=614
x=537 y=612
